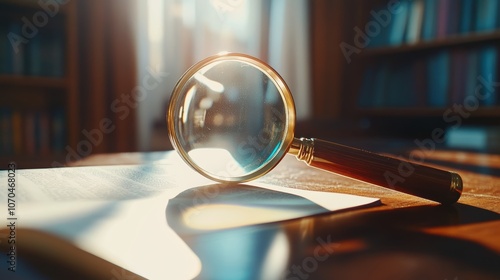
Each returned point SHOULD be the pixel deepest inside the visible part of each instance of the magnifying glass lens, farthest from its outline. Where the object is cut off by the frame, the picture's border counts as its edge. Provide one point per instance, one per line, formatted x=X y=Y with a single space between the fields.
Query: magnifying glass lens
x=229 y=120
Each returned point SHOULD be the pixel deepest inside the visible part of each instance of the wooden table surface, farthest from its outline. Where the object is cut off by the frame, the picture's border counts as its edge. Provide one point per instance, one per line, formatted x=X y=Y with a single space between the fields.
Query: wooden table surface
x=404 y=237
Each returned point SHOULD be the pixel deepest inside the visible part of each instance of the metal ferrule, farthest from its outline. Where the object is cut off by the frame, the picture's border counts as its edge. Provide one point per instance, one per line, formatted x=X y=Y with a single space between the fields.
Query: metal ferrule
x=303 y=149
x=456 y=186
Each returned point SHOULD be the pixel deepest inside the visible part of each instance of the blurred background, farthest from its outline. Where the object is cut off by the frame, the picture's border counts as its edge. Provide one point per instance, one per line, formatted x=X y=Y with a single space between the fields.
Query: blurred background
x=84 y=77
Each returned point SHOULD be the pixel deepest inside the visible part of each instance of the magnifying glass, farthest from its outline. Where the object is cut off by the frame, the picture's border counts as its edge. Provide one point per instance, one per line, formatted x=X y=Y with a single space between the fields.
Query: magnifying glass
x=231 y=117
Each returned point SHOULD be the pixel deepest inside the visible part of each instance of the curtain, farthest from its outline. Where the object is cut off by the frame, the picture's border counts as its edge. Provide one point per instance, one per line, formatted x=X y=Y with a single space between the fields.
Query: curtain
x=328 y=67
x=174 y=34
x=108 y=75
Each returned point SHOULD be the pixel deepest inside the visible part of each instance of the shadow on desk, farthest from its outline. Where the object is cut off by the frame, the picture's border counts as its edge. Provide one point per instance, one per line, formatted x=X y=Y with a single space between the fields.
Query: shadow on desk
x=409 y=243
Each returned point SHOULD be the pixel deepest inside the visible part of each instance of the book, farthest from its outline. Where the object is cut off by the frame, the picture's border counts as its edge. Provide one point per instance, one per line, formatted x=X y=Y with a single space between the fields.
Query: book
x=415 y=20
x=380 y=39
x=488 y=61
x=400 y=87
x=57 y=130
x=438 y=66
x=16 y=58
x=365 y=99
x=42 y=130
x=29 y=133
x=380 y=85
x=5 y=131
x=486 y=15
x=56 y=52
x=467 y=16
x=453 y=24
x=400 y=21
x=4 y=49
x=17 y=132
x=478 y=138
x=419 y=82
x=459 y=66
x=9 y=140
x=407 y=92
x=472 y=68
x=429 y=22
x=443 y=15
x=385 y=20
x=34 y=56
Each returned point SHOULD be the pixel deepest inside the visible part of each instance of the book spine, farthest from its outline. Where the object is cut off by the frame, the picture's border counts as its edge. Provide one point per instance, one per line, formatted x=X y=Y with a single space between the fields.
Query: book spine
x=472 y=67
x=44 y=133
x=29 y=133
x=467 y=16
x=366 y=89
x=420 y=82
x=17 y=132
x=486 y=15
x=458 y=76
x=453 y=23
x=399 y=86
x=34 y=56
x=56 y=53
x=380 y=85
x=429 y=21
x=415 y=19
x=16 y=58
x=438 y=79
x=398 y=28
x=488 y=61
x=5 y=131
x=443 y=19
x=57 y=130
x=4 y=48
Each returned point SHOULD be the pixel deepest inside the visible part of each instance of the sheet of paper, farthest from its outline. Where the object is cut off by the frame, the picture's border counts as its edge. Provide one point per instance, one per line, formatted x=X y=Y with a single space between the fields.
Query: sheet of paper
x=127 y=214
x=132 y=234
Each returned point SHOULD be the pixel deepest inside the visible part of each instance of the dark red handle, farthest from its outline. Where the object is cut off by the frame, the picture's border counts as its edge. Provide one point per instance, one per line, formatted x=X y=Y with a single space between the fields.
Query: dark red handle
x=404 y=176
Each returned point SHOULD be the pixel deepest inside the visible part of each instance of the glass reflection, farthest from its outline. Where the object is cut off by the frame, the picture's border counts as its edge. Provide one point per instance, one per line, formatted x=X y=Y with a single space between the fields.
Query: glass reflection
x=233 y=107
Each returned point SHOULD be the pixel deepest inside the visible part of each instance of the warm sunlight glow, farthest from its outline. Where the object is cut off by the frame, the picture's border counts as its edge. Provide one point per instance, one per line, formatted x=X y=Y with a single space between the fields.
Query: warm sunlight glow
x=187 y=103
x=156 y=31
x=211 y=84
x=217 y=161
x=222 y=216
x=276 y=258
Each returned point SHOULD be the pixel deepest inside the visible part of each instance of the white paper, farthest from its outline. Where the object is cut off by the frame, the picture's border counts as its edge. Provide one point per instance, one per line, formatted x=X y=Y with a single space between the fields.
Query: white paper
x=119 y=212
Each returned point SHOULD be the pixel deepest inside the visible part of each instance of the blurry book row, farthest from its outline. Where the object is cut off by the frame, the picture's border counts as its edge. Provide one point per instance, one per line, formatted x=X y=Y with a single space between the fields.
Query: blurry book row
x=437 y=79
x=40 y=54
x=32 y=132
x=413 y=21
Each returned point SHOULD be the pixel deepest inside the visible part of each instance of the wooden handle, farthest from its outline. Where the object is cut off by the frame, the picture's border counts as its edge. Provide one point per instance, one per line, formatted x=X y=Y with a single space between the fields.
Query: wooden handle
x=404 y=176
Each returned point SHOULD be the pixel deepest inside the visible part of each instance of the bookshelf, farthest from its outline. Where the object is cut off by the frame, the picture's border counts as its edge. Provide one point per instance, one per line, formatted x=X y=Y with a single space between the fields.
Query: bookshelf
x=449 y=42
x=429 y=56
x=39 y=111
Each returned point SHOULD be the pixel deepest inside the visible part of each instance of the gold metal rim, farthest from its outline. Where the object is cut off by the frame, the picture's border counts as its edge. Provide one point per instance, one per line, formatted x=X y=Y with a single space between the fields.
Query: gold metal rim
x=280 y=84
x=456 y=187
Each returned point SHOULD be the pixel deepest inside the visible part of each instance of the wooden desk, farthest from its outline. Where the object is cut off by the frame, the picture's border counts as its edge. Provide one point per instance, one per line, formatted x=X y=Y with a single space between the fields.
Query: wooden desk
x=404 y=238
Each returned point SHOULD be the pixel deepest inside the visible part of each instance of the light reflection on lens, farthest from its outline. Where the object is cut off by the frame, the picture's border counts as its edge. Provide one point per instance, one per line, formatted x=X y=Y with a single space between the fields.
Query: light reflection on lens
x=231 y=119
